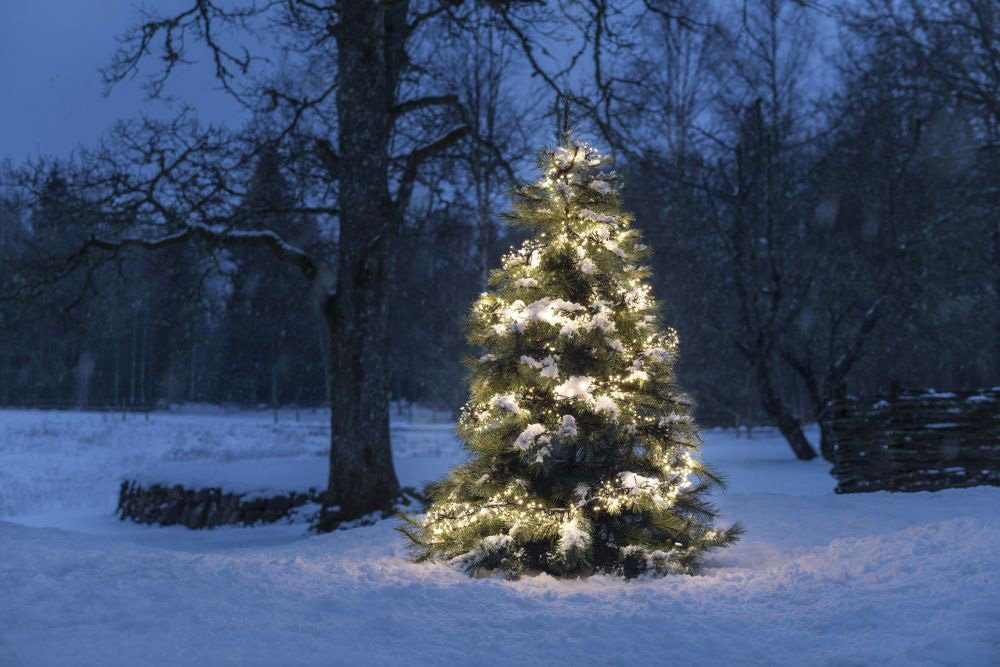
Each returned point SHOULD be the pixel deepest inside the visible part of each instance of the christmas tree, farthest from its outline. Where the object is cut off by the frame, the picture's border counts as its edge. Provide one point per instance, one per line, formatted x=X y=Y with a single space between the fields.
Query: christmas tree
x=581 y=441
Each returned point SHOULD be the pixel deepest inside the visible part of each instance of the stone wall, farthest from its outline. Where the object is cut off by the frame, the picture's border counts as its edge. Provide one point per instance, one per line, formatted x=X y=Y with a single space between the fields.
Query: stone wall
x=169 y=505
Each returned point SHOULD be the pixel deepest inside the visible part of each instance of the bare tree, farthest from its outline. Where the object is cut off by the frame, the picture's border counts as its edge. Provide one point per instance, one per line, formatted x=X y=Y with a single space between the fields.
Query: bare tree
x=481 y=67
x=754 y=184
x=950 y=51
x=358 y=104
x=353 y=109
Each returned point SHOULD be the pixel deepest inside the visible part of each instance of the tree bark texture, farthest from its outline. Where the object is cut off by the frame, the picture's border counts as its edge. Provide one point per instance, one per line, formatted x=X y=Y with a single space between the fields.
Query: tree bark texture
x=362 y=476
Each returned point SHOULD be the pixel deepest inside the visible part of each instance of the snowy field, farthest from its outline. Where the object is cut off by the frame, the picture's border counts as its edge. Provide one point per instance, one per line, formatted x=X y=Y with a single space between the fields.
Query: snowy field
x=819 y=579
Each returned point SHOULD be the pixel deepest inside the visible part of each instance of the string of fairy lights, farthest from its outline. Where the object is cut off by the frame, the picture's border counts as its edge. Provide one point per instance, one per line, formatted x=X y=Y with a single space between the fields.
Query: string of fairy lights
x=582 y=234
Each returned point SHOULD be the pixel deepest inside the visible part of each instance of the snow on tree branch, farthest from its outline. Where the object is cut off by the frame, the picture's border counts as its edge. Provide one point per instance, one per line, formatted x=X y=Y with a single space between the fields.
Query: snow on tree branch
x=217 y=235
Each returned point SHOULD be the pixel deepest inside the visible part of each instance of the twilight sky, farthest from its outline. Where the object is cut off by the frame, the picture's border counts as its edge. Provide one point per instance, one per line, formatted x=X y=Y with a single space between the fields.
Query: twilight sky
x=51 y=93
x=52 y=101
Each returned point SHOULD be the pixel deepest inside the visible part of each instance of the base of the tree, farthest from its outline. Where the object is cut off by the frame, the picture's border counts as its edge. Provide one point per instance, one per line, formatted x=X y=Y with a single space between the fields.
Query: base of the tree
x=173 y=504
x=332 y=517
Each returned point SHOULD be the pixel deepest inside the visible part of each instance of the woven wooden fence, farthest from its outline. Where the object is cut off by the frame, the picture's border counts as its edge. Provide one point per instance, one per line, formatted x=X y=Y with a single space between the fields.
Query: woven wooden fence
x=916 y=441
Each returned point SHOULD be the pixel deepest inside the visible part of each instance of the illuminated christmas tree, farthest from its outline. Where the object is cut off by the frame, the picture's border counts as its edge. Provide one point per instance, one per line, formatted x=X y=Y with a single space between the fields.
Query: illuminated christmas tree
x=582 y=445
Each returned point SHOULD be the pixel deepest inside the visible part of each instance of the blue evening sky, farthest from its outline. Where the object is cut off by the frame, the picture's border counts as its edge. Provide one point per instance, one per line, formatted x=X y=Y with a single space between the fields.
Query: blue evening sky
x=52 y=94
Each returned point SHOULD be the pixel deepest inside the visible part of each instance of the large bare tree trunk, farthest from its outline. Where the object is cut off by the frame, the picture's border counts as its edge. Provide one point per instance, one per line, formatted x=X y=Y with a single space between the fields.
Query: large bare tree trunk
x=362 y=476
x=779 y=413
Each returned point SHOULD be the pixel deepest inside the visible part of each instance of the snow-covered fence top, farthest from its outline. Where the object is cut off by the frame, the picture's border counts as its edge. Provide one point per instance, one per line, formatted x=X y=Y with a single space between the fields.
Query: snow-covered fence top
x=916 y=442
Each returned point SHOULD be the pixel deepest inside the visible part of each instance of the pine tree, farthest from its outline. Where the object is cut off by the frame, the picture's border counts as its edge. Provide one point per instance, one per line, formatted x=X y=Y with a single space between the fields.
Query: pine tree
x=581 y=441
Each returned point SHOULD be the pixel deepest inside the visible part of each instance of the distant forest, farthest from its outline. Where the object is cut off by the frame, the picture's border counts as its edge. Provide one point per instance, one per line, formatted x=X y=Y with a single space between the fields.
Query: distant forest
x=823 y=218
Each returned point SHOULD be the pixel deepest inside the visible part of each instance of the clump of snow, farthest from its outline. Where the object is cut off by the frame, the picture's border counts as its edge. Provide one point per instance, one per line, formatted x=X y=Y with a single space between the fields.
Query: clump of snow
x=496 y=542
x=507 y=402
x=601 y=319
x=590 y=216
x=932 y=393
x=579 y=387
x=605 y=404
x=535 y=436
x=526 y=440
x=602 y=187
x=576 y=386
x=615 y=248
x=572 y=537
x=635 y=483
x=530 y=361
x=564 y=156
x=569 y=328
x=673 y=418
x=638 y=376
x=517 y=315
x=547 y=366
x=568 y=427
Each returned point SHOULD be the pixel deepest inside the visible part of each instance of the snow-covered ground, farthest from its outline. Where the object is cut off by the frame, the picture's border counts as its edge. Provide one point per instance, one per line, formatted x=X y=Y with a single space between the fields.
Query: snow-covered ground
x=819 y=579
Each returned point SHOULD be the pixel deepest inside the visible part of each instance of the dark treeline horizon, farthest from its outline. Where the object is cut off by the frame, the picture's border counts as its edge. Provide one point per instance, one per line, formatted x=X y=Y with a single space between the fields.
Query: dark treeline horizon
x=822 y=220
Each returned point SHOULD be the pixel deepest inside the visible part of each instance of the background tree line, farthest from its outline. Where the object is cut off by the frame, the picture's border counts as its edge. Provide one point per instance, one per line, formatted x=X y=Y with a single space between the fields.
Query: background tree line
x=819 y=184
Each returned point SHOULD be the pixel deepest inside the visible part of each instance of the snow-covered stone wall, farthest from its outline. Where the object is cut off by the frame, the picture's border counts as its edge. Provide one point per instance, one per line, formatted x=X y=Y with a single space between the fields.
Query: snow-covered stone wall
x=169 y=505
